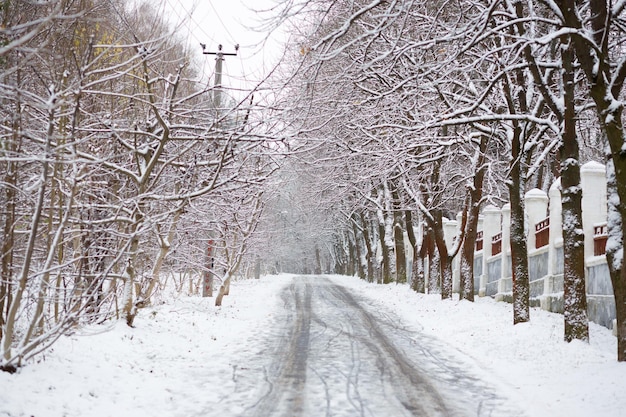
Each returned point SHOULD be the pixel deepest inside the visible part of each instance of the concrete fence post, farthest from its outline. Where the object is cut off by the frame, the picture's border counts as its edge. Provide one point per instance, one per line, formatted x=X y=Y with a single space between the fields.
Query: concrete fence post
x=456 y=277
x=553 y=282
x=491 y=227
x=506 y=280
x=536 y=210
x=594 y=205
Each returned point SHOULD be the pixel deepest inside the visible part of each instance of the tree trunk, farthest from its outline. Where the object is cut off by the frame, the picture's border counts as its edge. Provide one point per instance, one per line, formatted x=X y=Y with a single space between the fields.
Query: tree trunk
x=351 y=257
x=468 y=249
x=519 y=251
x=466 y=264
x=9 y=328
x=359 y=253
x=466 y=280
x=574 y=289
x=466 y=287
x=614 y=253
x=398 y=235
x=386 y=267
x=517 y=190
x=419 y=283
x=611 y=122
x=207 y=275
x=6 y=276
x=445 y=261
x=340 y=262
x=207 y=284
x=605 y=88
x=369 y=256
x=220 y=296
x=434 y=273
x=616 y=185
x=37 y=321
x=408 y=221
x=11 y=147
x=164 y=250
x=318 y=261
x=227 y=285
x=128 y=307
x=257 y=265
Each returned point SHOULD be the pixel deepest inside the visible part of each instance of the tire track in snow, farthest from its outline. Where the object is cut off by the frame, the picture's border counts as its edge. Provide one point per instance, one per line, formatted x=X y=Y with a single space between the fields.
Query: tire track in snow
x=286 y=391
x=331 y=354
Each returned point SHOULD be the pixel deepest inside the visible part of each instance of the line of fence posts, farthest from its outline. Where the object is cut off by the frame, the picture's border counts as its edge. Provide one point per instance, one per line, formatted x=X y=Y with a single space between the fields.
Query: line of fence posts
x=492 y=257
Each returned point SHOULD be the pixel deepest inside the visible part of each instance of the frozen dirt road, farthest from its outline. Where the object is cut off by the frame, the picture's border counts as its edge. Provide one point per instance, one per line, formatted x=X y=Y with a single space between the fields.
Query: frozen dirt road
x=329 y=354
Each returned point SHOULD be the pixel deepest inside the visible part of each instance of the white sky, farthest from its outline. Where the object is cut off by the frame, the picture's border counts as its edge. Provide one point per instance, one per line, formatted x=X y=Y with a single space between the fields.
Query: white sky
x=228 y=22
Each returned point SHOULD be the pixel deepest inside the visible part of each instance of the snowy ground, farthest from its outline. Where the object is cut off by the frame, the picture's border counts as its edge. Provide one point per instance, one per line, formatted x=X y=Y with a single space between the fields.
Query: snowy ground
x=184 y=357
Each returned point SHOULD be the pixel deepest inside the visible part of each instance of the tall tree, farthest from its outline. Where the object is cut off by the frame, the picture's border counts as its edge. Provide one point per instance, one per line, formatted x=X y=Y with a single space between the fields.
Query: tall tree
x=596 y=31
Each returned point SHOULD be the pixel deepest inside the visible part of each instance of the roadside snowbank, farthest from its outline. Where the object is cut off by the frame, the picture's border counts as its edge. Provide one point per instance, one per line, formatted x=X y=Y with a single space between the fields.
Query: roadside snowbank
x=177 y=358
x=531 y=360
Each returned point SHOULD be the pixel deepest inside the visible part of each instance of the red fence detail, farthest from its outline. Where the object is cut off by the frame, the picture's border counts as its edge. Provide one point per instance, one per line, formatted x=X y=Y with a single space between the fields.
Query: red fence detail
x=496 y=244
x=600 y=236
x=479 y=241
x=542 y=233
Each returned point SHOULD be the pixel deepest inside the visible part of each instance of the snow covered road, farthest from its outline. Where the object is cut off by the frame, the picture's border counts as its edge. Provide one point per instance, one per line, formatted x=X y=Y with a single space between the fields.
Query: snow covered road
x=330 y=355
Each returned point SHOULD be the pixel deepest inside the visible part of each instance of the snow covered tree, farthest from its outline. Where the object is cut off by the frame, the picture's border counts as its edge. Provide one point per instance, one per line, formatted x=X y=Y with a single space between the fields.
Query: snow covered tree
x=43 y=47
x=384 y=82
x=108 y=137
x=596 y=32
x=559 y=96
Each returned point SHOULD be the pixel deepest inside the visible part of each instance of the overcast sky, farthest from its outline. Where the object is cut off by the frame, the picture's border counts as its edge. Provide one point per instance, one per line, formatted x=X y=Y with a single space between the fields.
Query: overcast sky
x=227 y=22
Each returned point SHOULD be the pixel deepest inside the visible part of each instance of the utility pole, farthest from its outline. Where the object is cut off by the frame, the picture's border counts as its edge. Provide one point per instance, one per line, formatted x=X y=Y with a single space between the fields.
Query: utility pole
x=207 y=281
x=219 y=57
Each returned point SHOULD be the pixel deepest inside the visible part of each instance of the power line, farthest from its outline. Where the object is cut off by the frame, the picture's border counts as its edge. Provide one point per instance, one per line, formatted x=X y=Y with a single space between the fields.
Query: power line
x=232 y=38
x=191 y=24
